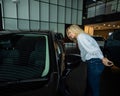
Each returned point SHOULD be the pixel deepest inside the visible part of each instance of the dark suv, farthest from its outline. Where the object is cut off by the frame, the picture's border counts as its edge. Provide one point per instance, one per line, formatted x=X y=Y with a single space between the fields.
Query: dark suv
x=30 y=63
x=112 y=47
x=34 y=63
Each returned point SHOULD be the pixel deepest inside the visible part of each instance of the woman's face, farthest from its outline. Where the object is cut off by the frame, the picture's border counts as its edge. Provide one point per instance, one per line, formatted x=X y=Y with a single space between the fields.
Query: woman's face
x=71 y=35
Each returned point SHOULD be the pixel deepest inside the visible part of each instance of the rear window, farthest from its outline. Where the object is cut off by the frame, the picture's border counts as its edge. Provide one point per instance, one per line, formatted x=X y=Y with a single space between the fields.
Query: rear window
x=23 y=56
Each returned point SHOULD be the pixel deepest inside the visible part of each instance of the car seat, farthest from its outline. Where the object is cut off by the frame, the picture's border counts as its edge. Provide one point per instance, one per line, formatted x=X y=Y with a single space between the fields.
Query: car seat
x=9 y=56
x=38 y=55
x=30 y=57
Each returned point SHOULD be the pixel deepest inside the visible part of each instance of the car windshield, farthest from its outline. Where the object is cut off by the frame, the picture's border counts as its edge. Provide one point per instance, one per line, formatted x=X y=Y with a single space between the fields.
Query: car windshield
x=23 y=56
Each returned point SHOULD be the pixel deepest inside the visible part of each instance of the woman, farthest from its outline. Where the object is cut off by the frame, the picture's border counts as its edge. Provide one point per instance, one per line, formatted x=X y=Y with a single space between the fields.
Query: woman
x=91 y=54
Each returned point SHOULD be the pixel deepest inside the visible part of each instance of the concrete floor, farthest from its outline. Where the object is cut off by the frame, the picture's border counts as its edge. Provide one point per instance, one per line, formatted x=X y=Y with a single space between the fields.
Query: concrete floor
x=110 y=82
x=109 y=85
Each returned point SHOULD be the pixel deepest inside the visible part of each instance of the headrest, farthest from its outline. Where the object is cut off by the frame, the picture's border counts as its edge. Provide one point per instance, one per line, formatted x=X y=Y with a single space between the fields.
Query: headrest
x=6 y=44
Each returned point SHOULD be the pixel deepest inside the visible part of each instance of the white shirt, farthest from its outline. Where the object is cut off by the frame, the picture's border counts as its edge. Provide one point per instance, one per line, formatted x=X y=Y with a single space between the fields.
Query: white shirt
x=88 y=47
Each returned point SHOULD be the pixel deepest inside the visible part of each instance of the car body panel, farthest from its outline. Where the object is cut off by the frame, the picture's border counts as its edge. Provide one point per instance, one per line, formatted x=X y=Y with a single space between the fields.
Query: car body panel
x=112 y=47
x=59 y=76
x=22 y=83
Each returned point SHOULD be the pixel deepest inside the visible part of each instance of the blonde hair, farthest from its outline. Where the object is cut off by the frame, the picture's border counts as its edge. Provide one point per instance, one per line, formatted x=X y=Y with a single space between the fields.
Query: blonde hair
x=74 y=29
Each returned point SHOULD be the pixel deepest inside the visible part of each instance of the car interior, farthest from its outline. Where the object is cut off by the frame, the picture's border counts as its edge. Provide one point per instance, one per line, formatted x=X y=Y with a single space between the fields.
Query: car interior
x=23 y=57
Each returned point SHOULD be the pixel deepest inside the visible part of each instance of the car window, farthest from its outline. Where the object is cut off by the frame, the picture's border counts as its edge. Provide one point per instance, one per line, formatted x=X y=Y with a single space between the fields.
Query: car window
x=99 y=38
x=23 y=56
x=71 y=48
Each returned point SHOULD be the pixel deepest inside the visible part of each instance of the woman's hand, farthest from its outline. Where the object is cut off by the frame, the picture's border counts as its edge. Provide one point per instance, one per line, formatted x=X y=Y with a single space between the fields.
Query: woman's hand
x=107 y=62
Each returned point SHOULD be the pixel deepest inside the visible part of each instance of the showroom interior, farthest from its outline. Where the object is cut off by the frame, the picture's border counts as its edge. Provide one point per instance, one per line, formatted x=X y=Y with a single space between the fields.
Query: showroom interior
x=99 y=18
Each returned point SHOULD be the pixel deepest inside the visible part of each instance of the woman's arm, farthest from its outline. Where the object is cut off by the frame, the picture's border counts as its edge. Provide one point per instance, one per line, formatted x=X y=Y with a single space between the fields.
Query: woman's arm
x=107 y=62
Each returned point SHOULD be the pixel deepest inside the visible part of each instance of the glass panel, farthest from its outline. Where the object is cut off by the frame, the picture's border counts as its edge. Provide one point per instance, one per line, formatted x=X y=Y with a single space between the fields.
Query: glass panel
x=118 y=8
x=53 y=1
x=53 y=27
x=74 y=16
x=34 y=25
x=61 y=14
x=80 y=4
x=44 y=12
x=9 y=9
x=44 y=26
x=3 y=23
x=111 y=7
x=61 y=28
x=61 y=2
x=114 y=6
x=108 y=8
x=79 y=20
x=53 y=13
x=2 y=8
x=100 y=9
x=74 y=5
x=24 y=62
x=68 y=3
x=45 y=0
x=68 y=16
x=91 y=12
x=10 y=24
x=23 y=11
x=34 y=10
x=23 y=24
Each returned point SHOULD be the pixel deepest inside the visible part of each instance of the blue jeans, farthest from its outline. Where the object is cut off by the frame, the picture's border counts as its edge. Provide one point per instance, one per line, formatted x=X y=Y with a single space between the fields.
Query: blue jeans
x=95 y=68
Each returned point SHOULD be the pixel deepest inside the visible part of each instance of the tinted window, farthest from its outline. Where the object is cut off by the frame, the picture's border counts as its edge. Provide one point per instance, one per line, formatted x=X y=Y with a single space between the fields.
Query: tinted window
x=99 y=38
x=116 y=35
x=23 y=56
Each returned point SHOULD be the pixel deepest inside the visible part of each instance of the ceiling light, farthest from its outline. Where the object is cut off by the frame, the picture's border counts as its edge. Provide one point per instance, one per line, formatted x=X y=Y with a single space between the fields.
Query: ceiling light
x=104 y=24
x=113 y=25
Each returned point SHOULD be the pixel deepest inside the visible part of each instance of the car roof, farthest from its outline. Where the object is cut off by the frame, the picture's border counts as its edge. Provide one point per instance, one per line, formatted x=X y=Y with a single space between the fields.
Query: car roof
x=55 y=35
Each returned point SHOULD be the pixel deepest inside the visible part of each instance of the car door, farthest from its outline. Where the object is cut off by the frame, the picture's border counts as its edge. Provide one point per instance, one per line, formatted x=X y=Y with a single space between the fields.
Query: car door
x=27 y=65
x=75 y=73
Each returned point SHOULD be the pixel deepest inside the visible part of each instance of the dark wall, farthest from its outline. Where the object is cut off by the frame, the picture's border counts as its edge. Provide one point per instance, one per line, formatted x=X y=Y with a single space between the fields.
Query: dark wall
x=102 y=18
